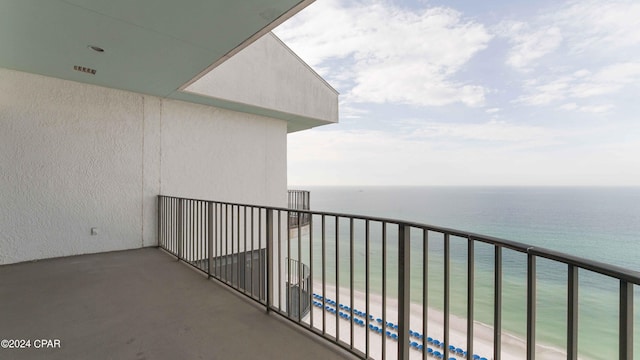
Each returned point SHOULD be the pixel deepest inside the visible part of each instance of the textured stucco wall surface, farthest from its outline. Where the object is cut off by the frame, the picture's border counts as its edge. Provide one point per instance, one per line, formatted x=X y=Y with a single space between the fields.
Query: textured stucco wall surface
x=270 y=75
x=236 y=157
x=76 y=156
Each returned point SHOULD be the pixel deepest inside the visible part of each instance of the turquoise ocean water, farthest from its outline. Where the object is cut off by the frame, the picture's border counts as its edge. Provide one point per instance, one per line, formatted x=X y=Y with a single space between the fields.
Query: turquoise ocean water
x=602 y=224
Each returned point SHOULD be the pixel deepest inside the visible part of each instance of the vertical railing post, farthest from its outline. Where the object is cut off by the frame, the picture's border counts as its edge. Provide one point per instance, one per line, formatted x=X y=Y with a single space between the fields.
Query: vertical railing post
x=351 y=301
x=425 y=290
x=337 y=241
x=310 y=289
x=497 y=303
x=447 y=295
x=384 y=288
x=531 y=306
x=278 y=255
x=572 y=313
x=159 y=234
x=626 y=320
x=299 y=269
x=366 y=285
x=269 y=258
x=324 y=275
x=210 y=236
x=470 y=292
x=404 y=285
x=180 y=232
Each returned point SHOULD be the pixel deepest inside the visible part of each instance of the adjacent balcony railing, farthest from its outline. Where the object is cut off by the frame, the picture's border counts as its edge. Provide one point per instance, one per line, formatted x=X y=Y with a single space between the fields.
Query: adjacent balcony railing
x=298 y=289
x=299 y=200
x=368 y=277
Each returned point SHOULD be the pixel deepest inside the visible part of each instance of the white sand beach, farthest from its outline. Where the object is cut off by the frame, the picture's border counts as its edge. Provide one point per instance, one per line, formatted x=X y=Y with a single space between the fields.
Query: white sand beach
x=512 y=346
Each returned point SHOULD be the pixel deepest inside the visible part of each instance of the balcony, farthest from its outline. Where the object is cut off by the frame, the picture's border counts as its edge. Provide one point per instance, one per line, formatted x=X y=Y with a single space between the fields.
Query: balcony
x=360 y=277
x=369 y=279
x=139 y=304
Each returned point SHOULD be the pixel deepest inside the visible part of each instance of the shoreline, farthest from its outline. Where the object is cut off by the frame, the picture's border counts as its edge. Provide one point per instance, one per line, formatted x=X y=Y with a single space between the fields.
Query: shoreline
x=512 y=346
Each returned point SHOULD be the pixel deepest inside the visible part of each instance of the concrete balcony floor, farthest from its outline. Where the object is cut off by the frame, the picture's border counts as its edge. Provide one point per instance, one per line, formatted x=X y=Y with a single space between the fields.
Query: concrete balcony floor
x=140 y=304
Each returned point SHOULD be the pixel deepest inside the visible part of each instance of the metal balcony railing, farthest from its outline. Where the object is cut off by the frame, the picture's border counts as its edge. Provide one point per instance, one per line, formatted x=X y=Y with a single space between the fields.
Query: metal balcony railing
x=250 y=248
x=298 y=289
x=299 y=200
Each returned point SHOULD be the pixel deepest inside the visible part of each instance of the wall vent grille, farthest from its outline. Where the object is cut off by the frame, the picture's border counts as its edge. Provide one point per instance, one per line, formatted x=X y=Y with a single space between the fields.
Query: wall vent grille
x=84 y=69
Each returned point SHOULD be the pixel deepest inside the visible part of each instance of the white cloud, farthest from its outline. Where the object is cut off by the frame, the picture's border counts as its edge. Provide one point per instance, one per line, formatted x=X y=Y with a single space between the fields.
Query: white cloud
x=351 y=112
x=593 y=46
x=451 y=155
x=600 y=25
x=547 y=92
x=592 y=28
x=582 y=73
x=620 y=73
x=596 y=109
x=529 y=44
x=579 y=61
x=389 y=54
x=593 y=109
x=582 y=84
x=492 y=131
x=569 y=106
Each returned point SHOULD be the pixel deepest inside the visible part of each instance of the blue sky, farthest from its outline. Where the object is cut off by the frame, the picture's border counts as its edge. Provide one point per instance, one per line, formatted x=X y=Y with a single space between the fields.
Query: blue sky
x=471 y=92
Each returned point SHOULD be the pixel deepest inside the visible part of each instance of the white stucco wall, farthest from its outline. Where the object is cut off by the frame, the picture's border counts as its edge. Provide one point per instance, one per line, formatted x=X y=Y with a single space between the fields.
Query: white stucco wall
x=239 y=158
x=76 y=156
x=268 y=74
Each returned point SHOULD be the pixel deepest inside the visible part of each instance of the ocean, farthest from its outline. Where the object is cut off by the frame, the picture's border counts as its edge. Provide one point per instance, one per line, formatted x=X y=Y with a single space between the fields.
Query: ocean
x=599 y=223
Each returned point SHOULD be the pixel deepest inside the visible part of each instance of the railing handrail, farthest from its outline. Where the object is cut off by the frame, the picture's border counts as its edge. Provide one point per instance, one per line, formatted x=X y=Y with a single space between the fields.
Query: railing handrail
x=618 y=272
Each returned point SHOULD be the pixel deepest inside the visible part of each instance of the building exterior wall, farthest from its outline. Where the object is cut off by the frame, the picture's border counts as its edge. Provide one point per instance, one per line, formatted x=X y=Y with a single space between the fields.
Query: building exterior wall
x=269 y=75
x=248 y=153
x=76 y=156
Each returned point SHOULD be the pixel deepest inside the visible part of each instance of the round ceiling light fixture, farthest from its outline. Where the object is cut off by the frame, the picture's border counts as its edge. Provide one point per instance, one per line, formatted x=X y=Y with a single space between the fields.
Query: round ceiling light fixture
x=96 y=48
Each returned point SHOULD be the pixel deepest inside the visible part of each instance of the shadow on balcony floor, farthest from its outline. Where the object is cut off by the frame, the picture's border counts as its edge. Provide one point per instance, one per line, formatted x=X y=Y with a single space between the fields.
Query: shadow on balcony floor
x=139 y=304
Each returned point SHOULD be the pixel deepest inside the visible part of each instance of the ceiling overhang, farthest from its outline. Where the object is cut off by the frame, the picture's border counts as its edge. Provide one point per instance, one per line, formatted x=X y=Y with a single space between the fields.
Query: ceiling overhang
x=151 y=47
x=295 y=122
